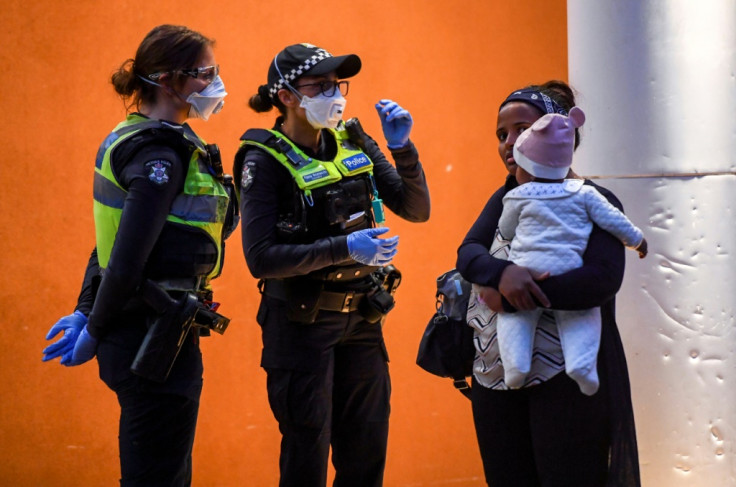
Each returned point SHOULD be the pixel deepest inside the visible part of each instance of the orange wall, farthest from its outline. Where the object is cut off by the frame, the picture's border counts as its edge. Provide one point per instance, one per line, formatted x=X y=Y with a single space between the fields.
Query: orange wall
x=449 y=62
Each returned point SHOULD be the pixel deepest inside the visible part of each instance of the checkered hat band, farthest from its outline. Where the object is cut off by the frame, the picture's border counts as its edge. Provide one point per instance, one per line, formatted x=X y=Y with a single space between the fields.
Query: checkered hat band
x=298 y=71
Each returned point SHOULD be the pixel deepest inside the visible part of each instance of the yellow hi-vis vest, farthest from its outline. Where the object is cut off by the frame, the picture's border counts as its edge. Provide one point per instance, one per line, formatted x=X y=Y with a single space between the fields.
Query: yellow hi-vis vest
x=310 y=173
x=202 y=204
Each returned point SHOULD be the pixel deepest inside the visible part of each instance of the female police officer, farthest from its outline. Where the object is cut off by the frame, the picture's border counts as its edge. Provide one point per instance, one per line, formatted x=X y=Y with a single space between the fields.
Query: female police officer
x=310 y=199
x=161 y=212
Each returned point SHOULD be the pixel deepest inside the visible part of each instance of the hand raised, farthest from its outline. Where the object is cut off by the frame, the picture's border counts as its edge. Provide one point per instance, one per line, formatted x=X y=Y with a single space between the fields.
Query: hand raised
x=396 y=123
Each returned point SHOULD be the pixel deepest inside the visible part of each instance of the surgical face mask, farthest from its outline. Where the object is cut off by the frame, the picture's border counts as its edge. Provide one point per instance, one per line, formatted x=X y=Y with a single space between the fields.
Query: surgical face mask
x=207 y=101
x=323 y=111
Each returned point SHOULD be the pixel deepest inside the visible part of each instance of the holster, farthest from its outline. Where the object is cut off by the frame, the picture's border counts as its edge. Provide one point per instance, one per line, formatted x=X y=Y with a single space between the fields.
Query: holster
x=166 y=334
x=380 y=299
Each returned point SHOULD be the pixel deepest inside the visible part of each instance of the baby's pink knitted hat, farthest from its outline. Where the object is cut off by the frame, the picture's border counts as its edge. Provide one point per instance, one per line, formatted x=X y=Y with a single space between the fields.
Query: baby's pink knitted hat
x=545 y=149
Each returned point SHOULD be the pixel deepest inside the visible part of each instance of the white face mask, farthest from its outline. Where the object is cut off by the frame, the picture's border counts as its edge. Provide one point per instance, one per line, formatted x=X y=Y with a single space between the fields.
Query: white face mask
x=324 y=112
x=207 y=101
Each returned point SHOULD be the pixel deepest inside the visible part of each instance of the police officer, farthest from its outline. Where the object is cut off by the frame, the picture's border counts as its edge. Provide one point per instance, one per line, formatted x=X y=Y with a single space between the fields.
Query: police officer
x=312 y=191
x=162 y=210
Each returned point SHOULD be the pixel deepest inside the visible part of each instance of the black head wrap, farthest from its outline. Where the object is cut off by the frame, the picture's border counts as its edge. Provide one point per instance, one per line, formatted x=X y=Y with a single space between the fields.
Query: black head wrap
x=543 y=102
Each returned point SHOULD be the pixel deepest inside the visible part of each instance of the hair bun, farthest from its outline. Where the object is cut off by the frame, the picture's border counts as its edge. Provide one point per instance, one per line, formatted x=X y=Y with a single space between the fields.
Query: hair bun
x=265 y=95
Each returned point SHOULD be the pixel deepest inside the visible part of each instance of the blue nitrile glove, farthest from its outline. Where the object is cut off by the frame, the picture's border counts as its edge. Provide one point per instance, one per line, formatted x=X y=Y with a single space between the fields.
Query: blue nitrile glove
x=71 y=325
x=366 y=248
x=396 y=123
x=85 y=348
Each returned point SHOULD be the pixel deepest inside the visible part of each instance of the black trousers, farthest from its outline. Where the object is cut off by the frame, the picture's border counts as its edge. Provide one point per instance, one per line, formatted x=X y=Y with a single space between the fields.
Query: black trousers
x=157 y=421
x=328 y=385
x=549 y=435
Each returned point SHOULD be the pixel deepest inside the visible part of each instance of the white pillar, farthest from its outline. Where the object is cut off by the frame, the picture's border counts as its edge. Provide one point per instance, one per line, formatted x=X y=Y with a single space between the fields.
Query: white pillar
x=657 y=83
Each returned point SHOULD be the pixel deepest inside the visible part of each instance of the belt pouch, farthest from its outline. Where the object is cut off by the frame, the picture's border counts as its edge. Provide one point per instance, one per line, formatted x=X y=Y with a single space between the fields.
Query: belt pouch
x=302 y=299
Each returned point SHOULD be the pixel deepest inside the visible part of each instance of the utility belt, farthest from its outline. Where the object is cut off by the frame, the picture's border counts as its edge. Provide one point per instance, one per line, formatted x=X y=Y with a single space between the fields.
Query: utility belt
x=305 y=298
x=343 y=302
x=176 y=285
x=348 y=274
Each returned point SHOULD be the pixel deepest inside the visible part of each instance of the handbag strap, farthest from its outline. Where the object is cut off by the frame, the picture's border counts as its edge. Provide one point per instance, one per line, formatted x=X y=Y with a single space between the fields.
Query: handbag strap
x=462 y=386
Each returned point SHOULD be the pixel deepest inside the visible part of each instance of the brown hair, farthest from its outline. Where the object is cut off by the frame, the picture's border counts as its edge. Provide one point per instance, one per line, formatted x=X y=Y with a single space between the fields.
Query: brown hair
x=262 y=101
x=166 y=49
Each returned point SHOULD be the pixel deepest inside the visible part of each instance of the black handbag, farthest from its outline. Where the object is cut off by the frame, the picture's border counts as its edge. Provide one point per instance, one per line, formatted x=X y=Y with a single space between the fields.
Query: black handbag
x=446 y=348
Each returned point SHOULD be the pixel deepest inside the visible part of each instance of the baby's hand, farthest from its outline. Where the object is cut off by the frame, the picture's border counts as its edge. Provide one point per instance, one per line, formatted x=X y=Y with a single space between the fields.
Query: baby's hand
x=490 y=297
x=642 y=248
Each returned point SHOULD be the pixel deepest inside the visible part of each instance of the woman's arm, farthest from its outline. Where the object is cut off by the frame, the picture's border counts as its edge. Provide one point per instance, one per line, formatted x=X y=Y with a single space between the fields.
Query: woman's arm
x=91 y=282
x=474 y=262
x=266 y=255
x=145 y=209
x=404 y=188
x=516 y=284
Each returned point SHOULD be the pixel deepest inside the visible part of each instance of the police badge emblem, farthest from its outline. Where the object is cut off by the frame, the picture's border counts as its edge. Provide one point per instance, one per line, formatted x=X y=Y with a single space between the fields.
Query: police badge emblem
x=158 y=174
x=249 y=173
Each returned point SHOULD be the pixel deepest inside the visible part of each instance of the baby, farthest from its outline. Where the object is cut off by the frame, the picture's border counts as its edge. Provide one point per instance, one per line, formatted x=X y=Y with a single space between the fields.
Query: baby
x=548 y=219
